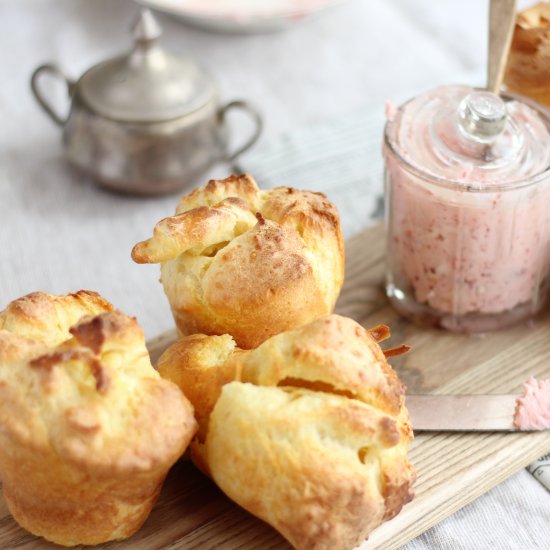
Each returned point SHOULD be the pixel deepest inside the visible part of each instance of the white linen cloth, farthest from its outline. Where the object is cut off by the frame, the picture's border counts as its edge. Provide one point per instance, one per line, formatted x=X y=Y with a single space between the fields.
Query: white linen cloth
x=60 y=233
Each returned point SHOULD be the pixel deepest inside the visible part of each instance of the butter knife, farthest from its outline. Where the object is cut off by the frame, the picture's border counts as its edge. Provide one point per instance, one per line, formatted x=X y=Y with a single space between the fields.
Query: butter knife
x=472 y=413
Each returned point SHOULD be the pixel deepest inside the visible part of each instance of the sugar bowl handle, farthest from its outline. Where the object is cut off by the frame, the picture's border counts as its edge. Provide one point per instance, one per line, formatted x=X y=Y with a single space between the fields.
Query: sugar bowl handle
x=258 y=122
x=54 y=70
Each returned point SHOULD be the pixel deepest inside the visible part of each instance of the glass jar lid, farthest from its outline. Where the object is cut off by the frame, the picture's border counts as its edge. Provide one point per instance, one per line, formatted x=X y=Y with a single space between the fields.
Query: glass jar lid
x=471 y=137
x=148 y=84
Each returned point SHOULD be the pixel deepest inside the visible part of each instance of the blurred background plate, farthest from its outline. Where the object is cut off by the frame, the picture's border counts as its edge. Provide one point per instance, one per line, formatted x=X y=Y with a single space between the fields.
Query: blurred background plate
x=242 y=16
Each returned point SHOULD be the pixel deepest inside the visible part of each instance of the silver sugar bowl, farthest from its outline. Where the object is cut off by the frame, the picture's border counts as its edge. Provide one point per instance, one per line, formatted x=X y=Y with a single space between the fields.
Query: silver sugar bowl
x=147 y=122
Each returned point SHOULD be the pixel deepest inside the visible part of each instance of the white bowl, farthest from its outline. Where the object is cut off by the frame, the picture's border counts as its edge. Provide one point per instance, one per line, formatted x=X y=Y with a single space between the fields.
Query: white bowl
x=242 y=16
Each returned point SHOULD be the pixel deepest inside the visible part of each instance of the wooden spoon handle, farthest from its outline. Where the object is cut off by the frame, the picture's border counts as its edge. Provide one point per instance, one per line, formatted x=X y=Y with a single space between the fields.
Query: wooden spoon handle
x=502 y=15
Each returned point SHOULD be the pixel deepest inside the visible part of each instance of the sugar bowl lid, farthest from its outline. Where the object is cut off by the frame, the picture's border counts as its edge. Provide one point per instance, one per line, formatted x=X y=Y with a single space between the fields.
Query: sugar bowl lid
x=148 y=84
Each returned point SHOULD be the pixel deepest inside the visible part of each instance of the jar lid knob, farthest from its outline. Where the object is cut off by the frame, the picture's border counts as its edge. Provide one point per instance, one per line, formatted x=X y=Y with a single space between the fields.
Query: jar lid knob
x=482 y=116
x=146 y=29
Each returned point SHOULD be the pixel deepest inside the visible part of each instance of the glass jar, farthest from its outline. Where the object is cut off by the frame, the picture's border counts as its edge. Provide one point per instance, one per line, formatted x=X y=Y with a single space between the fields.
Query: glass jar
x=467 y=209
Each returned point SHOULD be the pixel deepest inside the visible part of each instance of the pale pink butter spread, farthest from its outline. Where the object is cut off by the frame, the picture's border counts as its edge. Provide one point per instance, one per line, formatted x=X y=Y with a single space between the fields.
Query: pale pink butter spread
x=465 y=252
x=533 y=407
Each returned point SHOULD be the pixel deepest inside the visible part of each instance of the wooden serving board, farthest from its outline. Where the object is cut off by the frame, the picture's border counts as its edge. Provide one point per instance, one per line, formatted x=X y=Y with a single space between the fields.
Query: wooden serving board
x=453 y=469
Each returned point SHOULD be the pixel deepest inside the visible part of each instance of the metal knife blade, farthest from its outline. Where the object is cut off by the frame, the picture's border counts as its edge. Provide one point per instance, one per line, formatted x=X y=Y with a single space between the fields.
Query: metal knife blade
x=472 y=413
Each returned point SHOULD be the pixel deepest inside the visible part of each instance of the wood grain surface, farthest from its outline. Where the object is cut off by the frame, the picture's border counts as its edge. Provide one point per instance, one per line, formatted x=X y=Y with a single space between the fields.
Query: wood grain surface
x=453 y=469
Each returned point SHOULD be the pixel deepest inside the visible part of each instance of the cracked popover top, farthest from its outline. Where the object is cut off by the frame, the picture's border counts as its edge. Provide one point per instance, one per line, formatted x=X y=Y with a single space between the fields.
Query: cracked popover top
x=76 y=381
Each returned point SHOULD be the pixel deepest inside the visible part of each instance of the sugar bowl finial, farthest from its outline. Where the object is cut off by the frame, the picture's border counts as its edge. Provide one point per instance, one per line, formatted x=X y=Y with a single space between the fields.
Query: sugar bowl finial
x=146 y=28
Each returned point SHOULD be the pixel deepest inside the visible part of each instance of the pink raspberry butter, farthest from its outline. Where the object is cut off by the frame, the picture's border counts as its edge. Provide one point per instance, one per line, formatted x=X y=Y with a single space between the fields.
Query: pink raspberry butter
x=467 y=209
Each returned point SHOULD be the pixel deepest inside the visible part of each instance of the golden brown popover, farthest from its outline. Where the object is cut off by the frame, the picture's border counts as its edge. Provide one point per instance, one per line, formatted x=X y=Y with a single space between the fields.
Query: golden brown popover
x=309 y=432
x=528 y=69
x=88 y=429
x=250 y=263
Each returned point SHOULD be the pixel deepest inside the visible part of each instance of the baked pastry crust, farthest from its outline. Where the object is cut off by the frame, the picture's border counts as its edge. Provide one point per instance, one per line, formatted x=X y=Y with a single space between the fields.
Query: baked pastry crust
x=88 y=429
x=250 y=263
x=528 y=69
x=312 y=433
